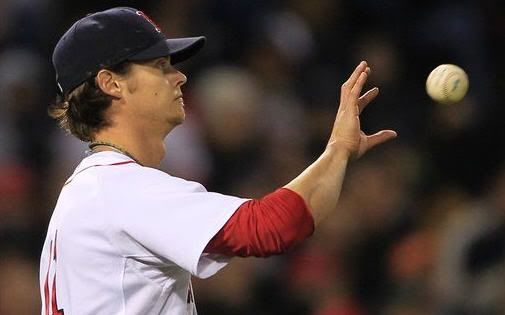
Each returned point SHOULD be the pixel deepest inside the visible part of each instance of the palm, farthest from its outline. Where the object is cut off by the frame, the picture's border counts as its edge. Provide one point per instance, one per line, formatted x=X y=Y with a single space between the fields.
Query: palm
x=347 y=133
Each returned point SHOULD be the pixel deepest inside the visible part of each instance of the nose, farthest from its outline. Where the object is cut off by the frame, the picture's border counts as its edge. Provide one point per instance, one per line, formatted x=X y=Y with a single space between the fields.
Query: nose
x=181 y=78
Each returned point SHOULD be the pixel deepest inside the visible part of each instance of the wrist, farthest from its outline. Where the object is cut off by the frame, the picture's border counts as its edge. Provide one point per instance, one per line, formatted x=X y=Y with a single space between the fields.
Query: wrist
x=338 y=151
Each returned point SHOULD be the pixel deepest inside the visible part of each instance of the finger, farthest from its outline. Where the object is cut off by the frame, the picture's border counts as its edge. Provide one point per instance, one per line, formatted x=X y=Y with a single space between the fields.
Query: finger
x=366 y=98
x=352 y=101
x=358 y=87
x=381 y=137
x=356 y=73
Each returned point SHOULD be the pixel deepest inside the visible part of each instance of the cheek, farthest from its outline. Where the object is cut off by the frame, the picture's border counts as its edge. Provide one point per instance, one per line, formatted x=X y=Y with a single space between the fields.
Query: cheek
x=154 y=91
x=163 y=90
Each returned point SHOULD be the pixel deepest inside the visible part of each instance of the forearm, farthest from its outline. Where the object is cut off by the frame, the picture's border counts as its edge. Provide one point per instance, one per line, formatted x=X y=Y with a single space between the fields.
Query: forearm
x=321 y=183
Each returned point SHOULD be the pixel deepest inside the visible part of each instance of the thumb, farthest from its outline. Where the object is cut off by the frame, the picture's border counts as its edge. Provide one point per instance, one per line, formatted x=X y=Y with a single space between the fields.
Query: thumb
x=381 y=137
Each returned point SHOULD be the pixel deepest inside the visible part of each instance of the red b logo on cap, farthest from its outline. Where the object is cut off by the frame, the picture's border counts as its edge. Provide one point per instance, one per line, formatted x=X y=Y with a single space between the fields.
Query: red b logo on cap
x=142 y=14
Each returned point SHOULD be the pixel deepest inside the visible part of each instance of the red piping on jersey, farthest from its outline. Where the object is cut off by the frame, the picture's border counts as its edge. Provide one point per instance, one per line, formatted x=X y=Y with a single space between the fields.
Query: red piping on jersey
x=268 y=226
x=113 y=164
x=46 y=284
x=54 y=302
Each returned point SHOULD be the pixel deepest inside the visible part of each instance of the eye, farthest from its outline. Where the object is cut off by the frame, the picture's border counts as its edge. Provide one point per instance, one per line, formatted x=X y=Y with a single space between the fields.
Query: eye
x=163 y=64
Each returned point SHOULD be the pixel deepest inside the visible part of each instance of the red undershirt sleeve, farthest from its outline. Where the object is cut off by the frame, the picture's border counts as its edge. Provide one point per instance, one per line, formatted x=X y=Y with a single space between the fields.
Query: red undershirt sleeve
x=263 y=227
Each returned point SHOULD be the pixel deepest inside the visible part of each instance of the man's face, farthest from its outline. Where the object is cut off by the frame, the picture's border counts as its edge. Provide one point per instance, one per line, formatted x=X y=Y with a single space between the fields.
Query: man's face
x=153 y=92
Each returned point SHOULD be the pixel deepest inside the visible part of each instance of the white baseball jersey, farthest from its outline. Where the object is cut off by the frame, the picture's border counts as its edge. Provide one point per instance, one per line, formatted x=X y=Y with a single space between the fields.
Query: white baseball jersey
x=125 y=239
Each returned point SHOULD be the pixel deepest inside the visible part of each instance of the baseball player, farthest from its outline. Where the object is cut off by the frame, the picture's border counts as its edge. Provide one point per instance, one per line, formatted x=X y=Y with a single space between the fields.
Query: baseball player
x=125 y=237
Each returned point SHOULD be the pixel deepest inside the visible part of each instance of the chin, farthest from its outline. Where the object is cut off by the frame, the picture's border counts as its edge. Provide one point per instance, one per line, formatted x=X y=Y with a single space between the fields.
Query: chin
x=172 y=123
x=182 y=118
x=176 y=121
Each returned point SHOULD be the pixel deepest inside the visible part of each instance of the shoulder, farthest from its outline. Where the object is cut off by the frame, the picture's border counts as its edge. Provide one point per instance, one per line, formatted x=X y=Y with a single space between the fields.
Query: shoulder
x=110 y=171
x=140 y=177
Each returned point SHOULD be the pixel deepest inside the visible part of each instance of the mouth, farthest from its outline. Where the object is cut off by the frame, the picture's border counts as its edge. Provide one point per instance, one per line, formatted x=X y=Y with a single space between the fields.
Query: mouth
x=180 y=99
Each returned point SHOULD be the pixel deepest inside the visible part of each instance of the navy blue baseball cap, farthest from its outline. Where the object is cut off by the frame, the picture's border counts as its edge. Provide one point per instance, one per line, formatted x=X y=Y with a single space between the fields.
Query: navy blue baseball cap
x=107 y=38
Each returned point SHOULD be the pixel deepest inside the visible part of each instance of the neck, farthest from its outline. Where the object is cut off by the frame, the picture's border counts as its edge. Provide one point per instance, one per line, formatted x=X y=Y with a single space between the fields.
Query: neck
x=98 y=146
x=141 y=148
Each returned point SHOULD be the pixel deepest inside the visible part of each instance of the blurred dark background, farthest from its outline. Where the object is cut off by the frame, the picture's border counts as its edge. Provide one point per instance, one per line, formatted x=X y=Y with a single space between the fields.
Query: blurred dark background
x=420 y=228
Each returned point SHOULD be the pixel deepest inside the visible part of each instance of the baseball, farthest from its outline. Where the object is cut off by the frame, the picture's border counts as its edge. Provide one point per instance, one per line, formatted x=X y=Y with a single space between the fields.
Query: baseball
x=447 y=84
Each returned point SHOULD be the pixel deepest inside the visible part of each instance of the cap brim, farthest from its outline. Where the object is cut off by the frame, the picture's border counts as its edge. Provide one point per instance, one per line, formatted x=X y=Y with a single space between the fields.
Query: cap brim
x=179 y=49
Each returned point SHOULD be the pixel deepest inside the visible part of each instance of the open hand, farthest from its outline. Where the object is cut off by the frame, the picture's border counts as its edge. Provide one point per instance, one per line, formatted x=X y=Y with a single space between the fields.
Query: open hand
x=347 y=134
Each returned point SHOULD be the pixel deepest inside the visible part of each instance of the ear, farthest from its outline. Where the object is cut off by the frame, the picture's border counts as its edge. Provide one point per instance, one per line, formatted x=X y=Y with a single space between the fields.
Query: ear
x=109 y=84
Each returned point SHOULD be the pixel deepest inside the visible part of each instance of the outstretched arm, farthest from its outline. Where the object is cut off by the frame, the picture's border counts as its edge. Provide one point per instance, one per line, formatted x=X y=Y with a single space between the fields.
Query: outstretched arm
x=320 y=184
x=281 y=220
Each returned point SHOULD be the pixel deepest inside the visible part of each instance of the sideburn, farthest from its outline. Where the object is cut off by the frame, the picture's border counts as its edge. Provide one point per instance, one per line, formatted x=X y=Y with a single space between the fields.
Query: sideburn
x=132 y=84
